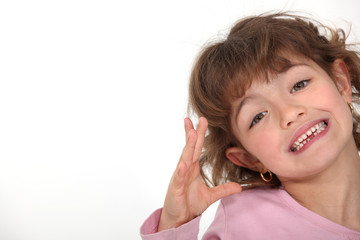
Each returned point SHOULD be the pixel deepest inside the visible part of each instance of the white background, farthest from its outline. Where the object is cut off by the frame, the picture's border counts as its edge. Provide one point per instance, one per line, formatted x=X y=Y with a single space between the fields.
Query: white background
x=92 y=100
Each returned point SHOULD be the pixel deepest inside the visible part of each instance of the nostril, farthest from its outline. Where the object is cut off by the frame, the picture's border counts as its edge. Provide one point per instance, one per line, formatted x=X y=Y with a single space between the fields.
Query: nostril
x=290 y=114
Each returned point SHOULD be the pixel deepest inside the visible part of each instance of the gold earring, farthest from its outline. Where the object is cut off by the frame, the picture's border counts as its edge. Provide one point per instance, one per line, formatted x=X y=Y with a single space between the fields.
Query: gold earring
x=266 y=179
x=351 y=108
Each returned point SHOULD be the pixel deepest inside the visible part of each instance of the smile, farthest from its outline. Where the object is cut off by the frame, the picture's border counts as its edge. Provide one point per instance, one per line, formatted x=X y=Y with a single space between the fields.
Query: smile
x=308 y=136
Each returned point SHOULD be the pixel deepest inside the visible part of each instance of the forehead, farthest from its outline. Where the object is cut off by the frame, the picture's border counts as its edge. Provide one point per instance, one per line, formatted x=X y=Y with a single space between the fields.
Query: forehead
x=297 y=71
x=300 y=68
x=249 y=79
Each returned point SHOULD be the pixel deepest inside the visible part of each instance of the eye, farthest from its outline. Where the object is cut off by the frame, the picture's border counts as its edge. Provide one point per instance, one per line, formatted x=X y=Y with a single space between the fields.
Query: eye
x=299 y=85
x=257 y=118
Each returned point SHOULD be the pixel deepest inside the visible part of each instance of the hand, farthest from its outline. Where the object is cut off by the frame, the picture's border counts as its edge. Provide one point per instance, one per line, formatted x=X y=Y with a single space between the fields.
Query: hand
x=188 y=196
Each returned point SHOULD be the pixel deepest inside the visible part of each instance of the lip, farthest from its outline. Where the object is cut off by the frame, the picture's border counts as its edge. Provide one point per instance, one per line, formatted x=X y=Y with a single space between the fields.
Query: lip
x=303 y=130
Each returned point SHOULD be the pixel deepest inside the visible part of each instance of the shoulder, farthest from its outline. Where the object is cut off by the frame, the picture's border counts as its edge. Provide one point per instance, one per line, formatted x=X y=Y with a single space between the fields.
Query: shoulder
x=254 y=197
x=261 y=212
x=254 y=203
x=260 y=207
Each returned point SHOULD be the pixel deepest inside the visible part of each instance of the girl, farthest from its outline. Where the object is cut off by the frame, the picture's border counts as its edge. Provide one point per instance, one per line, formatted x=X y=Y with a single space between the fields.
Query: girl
x=276 y=97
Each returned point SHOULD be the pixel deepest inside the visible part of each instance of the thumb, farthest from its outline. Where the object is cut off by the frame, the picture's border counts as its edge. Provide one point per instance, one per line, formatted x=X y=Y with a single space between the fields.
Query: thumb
x=224 y=190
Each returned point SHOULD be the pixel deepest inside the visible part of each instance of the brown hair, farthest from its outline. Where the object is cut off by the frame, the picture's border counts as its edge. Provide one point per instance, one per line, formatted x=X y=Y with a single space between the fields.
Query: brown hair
x=256 y=47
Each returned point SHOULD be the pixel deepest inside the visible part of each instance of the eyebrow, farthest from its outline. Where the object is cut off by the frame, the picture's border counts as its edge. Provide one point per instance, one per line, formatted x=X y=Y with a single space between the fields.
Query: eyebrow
x=243 y=101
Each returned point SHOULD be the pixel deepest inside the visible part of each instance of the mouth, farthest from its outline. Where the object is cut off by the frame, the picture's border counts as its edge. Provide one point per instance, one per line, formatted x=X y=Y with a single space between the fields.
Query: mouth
x=308 y=135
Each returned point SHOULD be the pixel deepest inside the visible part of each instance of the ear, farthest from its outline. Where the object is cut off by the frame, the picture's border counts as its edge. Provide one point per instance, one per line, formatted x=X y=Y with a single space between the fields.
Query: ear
x=342 y=79
x=242 y=158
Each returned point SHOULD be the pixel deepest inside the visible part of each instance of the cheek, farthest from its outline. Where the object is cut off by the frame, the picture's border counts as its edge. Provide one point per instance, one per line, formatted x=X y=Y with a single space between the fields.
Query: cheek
x=328 y=94
x=263 y=146
x=328 y=99
x=335 y=103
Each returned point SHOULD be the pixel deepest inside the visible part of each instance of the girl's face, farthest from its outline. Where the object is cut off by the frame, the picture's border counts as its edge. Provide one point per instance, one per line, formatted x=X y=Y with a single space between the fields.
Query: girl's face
x=298 y=124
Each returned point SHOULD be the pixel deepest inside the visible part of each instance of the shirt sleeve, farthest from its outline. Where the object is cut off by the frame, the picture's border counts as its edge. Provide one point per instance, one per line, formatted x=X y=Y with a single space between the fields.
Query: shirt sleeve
x=187 y=231
x=217 y=229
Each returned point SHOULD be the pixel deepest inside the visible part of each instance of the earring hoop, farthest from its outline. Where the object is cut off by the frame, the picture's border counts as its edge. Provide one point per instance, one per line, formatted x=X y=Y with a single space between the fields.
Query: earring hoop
x=351 y=108
x=266 y=179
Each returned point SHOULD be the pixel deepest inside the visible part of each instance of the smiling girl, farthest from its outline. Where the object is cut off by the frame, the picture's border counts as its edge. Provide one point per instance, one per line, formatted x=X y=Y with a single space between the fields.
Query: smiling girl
x=276 y=97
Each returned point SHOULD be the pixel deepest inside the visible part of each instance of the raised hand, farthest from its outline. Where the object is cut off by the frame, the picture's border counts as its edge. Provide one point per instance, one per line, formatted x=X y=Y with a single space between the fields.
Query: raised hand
x=188 y=196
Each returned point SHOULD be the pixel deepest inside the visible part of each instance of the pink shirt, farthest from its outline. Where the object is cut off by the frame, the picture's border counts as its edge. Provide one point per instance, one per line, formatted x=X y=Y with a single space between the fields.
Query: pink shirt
x=255 y=214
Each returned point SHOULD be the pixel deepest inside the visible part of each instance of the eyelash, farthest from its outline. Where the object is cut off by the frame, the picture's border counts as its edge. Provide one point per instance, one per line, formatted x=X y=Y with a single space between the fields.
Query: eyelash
x=257 y=118
x=301 y=84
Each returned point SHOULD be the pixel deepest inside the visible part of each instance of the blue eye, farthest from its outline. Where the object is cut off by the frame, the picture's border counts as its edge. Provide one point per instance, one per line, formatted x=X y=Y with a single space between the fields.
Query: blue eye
x=299 y=85
x=257 y=118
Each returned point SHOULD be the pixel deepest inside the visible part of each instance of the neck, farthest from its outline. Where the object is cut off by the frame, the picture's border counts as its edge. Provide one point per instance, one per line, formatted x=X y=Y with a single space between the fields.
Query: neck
x=333 y=194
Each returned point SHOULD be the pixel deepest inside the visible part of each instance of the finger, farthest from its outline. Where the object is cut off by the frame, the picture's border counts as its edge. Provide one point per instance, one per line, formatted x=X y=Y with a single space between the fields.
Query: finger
x=179 y=175
x=188 y=151
x=224 y=190
x=185 y=159
x=201 y=131
x=188 y=125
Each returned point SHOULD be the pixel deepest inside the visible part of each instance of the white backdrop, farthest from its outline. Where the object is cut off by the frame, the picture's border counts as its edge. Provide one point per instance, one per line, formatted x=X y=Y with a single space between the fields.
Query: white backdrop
x=92 y=100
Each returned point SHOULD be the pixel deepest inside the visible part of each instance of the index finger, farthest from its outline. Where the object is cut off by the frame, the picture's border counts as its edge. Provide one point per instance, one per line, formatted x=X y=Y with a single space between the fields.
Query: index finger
x=188 y=125
x=201 y=132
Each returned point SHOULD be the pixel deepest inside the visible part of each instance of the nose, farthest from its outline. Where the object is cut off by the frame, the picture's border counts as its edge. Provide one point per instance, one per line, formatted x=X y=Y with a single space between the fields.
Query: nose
x=290 y=113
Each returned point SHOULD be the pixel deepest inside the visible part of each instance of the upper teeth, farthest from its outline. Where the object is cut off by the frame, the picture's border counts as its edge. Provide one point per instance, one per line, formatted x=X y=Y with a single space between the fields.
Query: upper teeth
x=305 y=138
